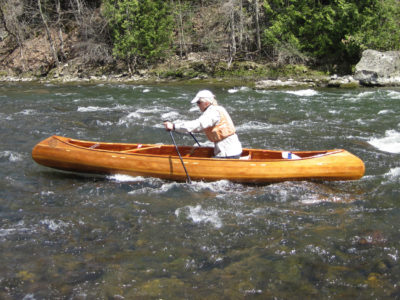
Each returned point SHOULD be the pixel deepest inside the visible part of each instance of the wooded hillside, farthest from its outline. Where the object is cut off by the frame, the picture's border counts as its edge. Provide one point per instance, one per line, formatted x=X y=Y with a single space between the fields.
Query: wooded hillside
x=38 y=35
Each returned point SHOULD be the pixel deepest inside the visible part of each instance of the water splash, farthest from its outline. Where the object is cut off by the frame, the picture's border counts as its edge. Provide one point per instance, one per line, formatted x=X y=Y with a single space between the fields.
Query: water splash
x=394 y=94
x=28 y=112
x=304 y=93
x=11 y=156
x=390 y=143
x=235 y=90
x=55 y=225
x=393 y=174
x=98 y=108
x=198 y=215
x=125 y=178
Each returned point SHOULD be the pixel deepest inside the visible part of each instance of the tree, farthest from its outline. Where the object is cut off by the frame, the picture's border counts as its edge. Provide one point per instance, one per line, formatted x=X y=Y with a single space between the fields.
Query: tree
x=182 y=12
x=94 y=44
x=257 y=24
x=280 y=35
x=48 y=33
x=331 y=32
x=141 y=30
x=378 y=26
x=12 y=13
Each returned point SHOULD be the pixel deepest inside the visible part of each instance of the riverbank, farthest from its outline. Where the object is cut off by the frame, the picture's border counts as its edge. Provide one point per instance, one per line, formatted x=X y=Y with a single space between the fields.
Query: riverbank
x=374 y=69
x=254 y=76
x=370 y=72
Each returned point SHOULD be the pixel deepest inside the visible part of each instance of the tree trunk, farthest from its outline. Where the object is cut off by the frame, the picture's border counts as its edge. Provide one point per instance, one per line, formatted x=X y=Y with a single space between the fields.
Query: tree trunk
x=241 y=25
x=60 y=34
x=78 y=11
x=10 y=13
x=182 y=44
x=257 y=21
x=233 y=36
x=52 y=48
x=79 y=6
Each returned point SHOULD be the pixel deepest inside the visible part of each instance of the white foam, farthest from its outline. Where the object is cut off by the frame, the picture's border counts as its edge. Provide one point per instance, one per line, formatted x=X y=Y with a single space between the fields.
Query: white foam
x=385 y=111
x=98 y=108
x=253 y=125
x=133 y=115
x=361 y=121
x=17 y=229
x=199 y=215
x=129 y=87
x=29 y=297
x=46 y=193
x=317 y=250
x=159 y=186
x=147 y=114
x=303 y=93
x=390 y=143
x=11 y=155
x=54 y=225
x=149 y=110
x=393 y=173
x=7 y=232
x=365 y=94
x=235 y=90
x=215 y=186
x=394 y=94
x=125 y=178
x=129 y=118
x=317 y=199
x=93 y=109
x=65 y=94
x=105 y=123
x=172 y=115
x=28 y=112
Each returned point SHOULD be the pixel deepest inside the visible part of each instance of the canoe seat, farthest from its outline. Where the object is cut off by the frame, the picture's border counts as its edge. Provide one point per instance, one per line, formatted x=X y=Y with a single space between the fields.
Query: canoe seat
x=246 y=155
x=141 y=149
x=191 y=152
x=94 y=146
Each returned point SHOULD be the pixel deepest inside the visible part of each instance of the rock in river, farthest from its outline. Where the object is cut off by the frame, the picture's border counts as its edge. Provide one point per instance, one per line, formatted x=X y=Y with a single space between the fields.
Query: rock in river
x=378 y=68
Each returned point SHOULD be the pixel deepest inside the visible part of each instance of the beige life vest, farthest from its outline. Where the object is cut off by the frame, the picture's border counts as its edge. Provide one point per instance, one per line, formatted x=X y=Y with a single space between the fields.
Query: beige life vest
x=223 y=129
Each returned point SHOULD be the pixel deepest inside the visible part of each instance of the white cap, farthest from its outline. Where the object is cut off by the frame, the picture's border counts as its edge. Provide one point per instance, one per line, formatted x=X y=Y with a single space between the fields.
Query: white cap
x=204 y=95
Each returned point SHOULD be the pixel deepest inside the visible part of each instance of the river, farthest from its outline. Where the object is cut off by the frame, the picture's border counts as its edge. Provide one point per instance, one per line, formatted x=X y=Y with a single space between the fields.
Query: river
x=74 y=236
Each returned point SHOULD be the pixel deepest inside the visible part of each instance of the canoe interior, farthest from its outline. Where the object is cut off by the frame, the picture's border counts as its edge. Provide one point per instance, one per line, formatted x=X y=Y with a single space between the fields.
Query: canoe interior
x=255 y=165
x=117 y=147
x=188 y=151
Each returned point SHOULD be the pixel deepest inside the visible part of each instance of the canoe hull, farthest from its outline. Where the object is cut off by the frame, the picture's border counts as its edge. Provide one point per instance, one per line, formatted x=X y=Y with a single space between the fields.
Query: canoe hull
x=161 y=161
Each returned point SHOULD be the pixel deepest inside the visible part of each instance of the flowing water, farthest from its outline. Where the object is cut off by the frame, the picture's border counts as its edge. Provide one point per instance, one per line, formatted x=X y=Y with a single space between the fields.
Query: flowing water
x=74 y=236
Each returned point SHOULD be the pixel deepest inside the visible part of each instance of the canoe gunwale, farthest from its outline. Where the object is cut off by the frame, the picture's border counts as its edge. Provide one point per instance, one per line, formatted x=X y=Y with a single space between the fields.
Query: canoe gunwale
x=137 y=151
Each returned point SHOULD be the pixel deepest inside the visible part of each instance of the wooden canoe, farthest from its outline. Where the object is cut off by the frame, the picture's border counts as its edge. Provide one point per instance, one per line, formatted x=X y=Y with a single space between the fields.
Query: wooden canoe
x=162 y=161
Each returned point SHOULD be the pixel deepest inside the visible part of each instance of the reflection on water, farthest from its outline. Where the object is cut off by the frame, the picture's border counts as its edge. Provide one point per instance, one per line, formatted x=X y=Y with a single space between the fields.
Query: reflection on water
x=73 y=236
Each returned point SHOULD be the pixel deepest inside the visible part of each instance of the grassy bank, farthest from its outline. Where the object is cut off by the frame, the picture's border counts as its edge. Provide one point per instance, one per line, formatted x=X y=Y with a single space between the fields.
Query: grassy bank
x=245 y=73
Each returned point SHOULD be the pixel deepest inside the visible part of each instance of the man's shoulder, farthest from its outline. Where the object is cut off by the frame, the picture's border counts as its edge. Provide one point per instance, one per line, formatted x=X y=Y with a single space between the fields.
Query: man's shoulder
x=212 y=112
x=211 y=109
x=217 y=108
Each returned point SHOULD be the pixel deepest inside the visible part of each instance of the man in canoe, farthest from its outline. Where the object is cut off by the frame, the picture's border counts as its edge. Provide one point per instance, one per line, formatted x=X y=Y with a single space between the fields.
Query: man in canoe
x=216 y=124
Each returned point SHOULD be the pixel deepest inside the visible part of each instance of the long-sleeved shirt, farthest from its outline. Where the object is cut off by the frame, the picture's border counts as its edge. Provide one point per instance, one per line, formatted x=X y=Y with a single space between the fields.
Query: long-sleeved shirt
x=229 y=146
